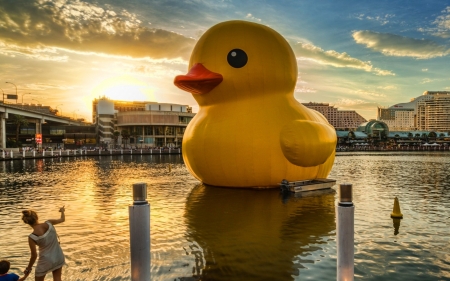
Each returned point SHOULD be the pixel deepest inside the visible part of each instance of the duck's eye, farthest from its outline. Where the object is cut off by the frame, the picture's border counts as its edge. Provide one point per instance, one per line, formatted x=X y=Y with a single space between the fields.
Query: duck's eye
x=237 y=58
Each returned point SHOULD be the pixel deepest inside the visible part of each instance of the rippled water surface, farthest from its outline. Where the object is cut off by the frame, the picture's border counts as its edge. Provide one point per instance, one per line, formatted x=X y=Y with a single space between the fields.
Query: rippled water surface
x=208 y=233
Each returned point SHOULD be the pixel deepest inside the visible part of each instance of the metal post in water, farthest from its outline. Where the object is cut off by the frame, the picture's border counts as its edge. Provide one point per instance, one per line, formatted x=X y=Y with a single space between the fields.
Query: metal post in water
x=345 y=225
x=139 y=218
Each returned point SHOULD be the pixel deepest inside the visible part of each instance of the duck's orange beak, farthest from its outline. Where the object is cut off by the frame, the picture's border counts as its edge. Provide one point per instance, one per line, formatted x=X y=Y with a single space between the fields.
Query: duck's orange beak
x=199 y=80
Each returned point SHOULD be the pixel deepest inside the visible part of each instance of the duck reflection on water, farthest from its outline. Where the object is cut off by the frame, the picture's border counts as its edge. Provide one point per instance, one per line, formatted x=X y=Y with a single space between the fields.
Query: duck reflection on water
x=254 y=234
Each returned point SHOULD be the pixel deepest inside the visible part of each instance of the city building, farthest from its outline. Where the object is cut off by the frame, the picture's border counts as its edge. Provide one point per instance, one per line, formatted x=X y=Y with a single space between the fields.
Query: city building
x=428 y=112
x=140 y=124
x=339 y=119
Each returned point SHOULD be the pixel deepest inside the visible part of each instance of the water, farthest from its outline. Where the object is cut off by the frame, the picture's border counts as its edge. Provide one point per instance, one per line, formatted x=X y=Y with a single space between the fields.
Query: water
x=204 y=233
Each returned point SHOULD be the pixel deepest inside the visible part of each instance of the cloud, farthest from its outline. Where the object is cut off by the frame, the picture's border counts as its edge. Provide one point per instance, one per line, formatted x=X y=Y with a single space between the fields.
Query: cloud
x=333 y=58
x=395 y=45
x=389 y=87
x=251 y=17
x=355 y=104
x=443 y=24
x=74 y=25
x=427 y=80
x=369 y=94
x=383 y=19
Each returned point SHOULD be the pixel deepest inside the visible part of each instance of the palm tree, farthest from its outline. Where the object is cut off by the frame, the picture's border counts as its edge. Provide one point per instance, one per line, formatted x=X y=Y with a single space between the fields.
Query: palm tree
x=125 y=134
x=135 y=134
x=410 y=135
x=116 y=135
x=19 y=121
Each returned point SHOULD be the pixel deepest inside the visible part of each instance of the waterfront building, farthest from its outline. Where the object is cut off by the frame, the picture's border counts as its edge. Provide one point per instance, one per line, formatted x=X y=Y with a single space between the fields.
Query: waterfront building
x=339 y=119
x=140 y=124
x=428 y=112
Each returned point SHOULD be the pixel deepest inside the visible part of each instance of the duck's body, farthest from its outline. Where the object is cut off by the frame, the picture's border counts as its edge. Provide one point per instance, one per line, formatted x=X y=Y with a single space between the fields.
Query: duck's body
x=250 y=131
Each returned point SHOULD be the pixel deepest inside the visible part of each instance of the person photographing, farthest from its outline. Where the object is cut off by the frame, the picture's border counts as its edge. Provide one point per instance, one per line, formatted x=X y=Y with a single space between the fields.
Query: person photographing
x=44 y=238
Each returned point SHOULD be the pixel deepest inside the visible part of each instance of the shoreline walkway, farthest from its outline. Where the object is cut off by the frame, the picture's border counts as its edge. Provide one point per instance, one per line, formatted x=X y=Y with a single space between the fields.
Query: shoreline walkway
x=9 y=155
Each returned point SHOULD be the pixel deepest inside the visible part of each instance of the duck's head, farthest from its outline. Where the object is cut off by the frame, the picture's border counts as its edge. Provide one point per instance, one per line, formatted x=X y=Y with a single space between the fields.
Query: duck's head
x=238 y=59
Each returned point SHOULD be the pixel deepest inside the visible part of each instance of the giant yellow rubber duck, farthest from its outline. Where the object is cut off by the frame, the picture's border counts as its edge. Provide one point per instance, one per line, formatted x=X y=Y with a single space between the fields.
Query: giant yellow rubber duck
x=250 y=131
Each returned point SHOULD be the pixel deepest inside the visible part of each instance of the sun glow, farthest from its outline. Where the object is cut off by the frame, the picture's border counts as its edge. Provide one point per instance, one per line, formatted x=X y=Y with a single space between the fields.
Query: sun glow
x=124 y=87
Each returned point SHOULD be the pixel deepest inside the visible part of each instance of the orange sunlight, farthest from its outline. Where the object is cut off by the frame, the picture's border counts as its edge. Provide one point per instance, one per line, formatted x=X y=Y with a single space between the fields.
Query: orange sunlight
x=124 y=87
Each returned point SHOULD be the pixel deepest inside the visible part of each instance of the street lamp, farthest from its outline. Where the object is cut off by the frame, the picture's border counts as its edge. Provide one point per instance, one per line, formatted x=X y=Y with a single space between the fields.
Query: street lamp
x=75 y=114
x=14 y=86
x=57 y=107
x=24 y=95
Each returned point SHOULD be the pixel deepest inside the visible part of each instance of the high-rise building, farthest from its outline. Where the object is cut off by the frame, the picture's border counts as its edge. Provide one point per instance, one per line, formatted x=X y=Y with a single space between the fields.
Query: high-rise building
x=428 y=112
x=339 y=119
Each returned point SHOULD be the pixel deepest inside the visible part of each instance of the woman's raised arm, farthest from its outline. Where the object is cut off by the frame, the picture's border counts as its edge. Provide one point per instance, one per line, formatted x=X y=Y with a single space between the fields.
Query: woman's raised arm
x=61 y=219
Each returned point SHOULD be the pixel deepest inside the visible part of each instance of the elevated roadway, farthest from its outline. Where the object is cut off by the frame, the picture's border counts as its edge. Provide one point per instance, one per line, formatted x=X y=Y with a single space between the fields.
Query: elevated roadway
x=33 y=116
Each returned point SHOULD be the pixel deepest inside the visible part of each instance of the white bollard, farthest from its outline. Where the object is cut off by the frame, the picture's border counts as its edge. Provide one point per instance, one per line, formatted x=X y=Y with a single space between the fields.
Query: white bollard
x=99 y=151
x=151 y=150
x=139 y=219
x=160 y=151
x=110 y=151
x=23 y=153
x=169 y=150
x=141 y=151
x=121 y=151
x=68 y=152
x=34 y=153
x=52 y=152
x=43 y=152
x=3 y=154
x=11 y=153
x=60 y=152
x=131 y=151
x=345 y=225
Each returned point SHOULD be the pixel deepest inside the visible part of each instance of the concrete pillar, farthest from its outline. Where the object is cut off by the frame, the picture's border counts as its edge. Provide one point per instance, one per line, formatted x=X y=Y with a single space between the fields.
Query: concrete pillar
x=3 y=117
x=139 y=219
x=345 y=229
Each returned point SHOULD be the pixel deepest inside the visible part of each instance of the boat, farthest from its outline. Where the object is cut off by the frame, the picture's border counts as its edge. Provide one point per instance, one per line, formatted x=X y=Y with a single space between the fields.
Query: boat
x=306 y=185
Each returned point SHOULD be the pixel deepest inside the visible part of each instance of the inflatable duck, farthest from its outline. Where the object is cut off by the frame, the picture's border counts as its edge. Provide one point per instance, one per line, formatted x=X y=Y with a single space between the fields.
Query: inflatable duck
x=250 y=131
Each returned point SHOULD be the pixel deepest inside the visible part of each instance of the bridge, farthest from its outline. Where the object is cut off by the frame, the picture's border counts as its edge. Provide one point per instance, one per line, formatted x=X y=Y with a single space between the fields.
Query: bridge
x=32 y=115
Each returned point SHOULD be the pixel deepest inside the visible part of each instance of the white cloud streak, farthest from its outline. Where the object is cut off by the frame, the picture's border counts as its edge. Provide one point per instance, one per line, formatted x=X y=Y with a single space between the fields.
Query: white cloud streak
x=399 y=46
x=333 y=58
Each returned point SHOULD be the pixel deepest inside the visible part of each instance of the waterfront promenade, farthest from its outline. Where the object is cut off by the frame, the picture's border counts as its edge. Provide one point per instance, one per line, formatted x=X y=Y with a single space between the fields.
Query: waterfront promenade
x=9 y=154
x=394 y=148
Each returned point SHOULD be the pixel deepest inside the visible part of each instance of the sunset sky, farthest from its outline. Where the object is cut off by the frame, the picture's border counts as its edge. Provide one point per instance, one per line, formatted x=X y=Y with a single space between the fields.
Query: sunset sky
x=356 y=55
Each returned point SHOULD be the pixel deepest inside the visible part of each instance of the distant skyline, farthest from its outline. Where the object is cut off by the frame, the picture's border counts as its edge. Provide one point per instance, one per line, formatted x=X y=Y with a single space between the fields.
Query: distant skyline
x=355 y=55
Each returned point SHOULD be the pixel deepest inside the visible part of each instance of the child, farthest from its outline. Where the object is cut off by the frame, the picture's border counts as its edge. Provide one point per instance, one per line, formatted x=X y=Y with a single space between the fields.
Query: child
x=5 y=276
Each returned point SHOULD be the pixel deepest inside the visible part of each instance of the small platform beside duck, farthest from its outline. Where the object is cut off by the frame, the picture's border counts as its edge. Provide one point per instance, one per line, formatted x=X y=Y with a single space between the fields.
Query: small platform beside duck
x=306 y=185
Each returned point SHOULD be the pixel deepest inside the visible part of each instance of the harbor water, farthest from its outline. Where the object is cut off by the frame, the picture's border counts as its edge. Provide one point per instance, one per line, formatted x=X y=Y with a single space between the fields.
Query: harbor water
x=208 y=233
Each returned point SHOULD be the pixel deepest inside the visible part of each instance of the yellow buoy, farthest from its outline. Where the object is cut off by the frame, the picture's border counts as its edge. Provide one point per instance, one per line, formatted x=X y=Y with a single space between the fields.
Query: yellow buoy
x=396 y=213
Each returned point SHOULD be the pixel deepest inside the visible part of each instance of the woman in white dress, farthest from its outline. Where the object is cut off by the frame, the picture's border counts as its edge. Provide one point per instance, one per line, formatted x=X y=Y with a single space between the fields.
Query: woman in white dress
x=44 y=236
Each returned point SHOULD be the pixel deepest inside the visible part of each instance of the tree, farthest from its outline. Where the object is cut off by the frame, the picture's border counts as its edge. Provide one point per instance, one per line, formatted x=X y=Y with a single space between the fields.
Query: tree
x=125 y=135
x=19 y=121
x=135 y=134
x=410 y=135
x=116 y=135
